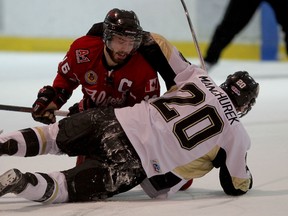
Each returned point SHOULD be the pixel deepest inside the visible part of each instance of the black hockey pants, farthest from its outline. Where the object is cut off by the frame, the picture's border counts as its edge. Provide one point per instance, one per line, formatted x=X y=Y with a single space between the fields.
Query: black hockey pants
x=112 y=165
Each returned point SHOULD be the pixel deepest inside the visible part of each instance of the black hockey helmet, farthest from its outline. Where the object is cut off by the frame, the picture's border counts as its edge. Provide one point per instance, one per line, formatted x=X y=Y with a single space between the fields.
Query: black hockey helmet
x=122 y=22
x=242 y=90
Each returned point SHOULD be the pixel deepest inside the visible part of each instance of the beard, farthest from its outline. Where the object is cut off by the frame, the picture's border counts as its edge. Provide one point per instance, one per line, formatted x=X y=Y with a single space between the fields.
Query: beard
x=117 y=57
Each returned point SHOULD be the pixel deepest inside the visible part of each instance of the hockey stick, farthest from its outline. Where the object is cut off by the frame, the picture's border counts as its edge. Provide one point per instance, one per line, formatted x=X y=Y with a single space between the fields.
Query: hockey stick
x=193 y=35
x=28 y=109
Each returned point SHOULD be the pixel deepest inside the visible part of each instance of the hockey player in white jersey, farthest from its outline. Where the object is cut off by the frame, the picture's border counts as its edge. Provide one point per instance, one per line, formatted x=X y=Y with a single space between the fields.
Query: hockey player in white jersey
x=160 y=144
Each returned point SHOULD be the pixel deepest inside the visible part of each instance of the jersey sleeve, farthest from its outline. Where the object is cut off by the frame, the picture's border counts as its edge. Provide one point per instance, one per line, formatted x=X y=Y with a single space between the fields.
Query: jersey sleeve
x=231 y=184
x=65 y=77
x=234 y=186
x=153 y=54
x=174 y=57
x=64 y=83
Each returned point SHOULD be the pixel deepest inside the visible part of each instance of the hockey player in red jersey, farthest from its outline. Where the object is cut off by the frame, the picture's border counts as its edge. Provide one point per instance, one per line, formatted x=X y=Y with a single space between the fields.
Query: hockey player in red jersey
x=115 y=64
x=160 y=143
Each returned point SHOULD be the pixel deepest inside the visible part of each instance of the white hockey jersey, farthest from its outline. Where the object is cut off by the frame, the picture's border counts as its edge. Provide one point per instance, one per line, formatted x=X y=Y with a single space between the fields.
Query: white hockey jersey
x=182 y=131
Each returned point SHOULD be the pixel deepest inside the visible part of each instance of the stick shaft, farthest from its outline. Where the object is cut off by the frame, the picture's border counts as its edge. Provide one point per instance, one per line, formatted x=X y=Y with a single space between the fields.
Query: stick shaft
x=28 y=109
x=193 y=35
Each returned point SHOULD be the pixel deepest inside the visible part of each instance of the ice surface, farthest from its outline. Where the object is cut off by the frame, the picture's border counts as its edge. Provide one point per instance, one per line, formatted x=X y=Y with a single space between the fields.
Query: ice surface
x=22 y=74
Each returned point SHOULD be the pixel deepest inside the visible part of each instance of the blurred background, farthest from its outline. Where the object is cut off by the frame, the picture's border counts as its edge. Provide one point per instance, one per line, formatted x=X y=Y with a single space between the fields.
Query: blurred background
x=38 y=25
x=34 y=37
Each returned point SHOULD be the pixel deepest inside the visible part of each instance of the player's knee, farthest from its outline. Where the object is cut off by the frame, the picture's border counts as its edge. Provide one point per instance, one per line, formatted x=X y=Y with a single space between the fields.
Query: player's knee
x=73 y=134
x=88 y=185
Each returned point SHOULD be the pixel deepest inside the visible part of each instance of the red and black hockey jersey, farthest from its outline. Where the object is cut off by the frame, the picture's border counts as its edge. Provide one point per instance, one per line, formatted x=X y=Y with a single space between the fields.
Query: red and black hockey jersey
x=126 y=85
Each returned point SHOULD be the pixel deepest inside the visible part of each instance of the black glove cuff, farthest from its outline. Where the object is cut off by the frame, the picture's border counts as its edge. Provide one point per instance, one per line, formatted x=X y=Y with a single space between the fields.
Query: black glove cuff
x=62 y=96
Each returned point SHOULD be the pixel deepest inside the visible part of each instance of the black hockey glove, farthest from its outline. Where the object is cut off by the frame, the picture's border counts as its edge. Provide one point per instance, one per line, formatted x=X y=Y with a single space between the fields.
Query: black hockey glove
x=43 y=108
x=84 y=104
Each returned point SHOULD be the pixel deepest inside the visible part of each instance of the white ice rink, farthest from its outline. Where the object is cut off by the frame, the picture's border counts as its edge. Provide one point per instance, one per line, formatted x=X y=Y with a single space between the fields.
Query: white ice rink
x=21 y=75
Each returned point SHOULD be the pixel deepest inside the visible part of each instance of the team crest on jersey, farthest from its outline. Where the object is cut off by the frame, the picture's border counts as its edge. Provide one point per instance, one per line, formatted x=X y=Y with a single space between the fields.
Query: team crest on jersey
x=81 y=56
x=152 y=85
x=156 y=166
x=91 y=77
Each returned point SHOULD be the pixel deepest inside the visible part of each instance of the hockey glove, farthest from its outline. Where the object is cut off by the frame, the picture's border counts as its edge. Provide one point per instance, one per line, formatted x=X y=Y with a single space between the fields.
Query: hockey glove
x=84 y=104
x=48 y=100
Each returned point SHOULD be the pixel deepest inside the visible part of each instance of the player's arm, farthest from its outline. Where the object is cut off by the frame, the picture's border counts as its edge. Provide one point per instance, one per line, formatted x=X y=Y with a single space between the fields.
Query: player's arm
x=234 y=186
x=175 y=59
x=231 y=185
x=153 y=54
x=48 y=100
x=51 y=98
x=163 y=57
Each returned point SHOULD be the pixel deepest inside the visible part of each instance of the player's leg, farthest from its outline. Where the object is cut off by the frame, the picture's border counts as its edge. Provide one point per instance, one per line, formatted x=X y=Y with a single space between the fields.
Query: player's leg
x=237 y=15
x=112 y=165
x=13 y=181
x=30 y=142
x=116 y=167
x=38 y=187
x=97 y=180
x=92 y=180
x=280 y=8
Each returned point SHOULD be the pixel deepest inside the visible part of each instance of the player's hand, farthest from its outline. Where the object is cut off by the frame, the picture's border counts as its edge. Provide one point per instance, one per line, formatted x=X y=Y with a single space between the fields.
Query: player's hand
x=43 y=108
x=47 y=117
x=84 y=104
x=74 y=109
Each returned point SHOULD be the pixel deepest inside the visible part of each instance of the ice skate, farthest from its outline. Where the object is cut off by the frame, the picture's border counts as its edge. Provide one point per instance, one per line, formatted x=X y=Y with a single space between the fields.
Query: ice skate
x=12 y=181
x=9 y=147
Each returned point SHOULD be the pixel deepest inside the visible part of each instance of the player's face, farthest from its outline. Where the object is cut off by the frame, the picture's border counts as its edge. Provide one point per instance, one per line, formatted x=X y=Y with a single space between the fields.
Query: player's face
x=242 y=110
x=121 y=47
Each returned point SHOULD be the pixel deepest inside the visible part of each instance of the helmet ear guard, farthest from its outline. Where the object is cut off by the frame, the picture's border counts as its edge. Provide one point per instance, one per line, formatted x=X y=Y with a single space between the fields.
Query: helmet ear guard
x=242 y=90
x=124 y=23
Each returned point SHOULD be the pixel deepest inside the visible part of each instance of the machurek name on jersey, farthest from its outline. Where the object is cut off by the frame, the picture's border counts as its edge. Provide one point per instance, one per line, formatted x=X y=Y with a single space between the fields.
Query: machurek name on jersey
x=223 y=99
